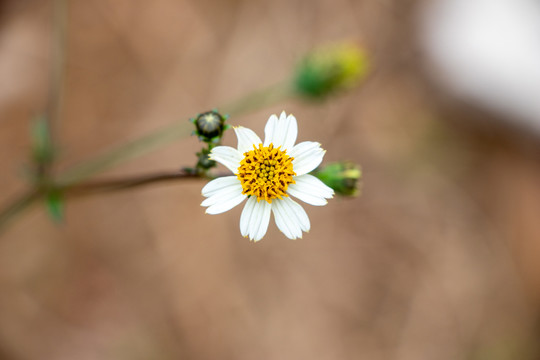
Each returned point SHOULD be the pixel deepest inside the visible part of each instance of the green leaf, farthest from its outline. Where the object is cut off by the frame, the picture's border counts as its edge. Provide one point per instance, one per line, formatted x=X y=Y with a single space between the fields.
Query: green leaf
x=55 y=205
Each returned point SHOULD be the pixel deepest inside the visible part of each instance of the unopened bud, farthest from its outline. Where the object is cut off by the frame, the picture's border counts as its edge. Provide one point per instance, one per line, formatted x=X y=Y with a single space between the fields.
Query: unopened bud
x=204 y=162
x=343 y=177
x=331 y=68
x=209 y=126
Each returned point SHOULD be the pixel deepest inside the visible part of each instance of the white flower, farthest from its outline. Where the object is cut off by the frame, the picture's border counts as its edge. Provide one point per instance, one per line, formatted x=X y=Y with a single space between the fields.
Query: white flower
x=266 y=174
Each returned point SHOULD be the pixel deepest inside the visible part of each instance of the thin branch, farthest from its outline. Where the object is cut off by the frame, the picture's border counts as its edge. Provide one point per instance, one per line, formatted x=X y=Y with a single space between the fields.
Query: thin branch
x=259 y=98
x=14 y=208
x=167 y=135
x=125 y=152
x=54 y=106
x=27 y=199
x=125 y=183
x=56 y=82
x=58 y=50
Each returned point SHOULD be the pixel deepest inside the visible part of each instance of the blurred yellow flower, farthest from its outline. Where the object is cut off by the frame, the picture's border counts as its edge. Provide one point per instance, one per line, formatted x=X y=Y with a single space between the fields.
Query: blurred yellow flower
x=331 y=68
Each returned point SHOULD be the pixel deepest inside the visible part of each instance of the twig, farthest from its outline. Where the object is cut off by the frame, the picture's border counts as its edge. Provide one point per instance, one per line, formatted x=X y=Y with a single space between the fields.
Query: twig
x=259 y=98
x=107 y=185
x=17 y=206
x=56 y=83
x=124 y=152
x=93 y=187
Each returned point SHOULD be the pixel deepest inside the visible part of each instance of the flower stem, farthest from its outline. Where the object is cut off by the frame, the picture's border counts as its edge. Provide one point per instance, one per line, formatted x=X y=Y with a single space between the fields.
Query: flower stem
x=125 y=183
x=260 y=98
x=91 y=188
x=57 y=70
x=124 y=152
x=168 y=135
x=70 y=181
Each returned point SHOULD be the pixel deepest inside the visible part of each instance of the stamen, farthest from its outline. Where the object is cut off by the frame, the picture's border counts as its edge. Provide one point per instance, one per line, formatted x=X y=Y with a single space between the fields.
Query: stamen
x=266 y=172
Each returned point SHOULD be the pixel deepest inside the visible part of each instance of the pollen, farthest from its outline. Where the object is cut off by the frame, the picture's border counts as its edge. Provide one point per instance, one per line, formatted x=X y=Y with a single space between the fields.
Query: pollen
x=266 y=172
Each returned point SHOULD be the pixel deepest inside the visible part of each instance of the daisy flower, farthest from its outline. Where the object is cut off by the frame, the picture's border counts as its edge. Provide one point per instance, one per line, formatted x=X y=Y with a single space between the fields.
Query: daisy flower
x=266 y=174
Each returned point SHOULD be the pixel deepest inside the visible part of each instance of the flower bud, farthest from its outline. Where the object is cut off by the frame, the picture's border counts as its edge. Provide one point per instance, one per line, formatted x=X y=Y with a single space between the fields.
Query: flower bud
x=209 y=125
x=343 y=177
x=204 y=162
x=331 y=68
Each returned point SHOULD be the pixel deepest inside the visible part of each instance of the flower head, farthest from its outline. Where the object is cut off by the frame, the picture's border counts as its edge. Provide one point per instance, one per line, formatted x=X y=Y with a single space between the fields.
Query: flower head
x=266 y=174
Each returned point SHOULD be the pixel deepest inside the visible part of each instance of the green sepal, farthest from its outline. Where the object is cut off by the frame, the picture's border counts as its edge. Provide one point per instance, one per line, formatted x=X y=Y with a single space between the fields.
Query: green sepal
x=343 y=177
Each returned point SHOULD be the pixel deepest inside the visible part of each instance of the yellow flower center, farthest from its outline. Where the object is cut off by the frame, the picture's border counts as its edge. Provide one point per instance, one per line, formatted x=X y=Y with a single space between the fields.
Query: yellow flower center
x=266 y=173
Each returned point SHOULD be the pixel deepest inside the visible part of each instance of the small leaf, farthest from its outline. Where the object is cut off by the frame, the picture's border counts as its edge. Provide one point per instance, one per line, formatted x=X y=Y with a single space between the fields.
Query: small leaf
x=42 y=147
x=55 y=205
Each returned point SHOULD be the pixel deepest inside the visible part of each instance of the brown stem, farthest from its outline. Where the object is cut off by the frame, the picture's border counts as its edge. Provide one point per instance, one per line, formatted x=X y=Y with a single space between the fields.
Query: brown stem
x=106 y=185
x=93 y=187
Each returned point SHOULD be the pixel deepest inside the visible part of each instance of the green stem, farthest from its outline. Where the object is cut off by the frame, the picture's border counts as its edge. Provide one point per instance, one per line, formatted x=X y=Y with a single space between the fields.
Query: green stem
x=260 y=98
x=124 y=152
x=46 y=128
x=15 y=208
x=168 y=135
x=52 y=117
x=58 y=50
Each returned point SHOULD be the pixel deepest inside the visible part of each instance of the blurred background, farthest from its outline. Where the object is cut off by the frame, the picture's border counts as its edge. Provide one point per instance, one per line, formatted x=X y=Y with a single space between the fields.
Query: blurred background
x=437 y=259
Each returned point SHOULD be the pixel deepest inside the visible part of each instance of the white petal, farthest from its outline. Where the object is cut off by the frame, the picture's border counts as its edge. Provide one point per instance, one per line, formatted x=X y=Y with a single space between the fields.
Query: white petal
x=283 y=222
x=291 y=217
x=291 y=133
x=255 y=218
x=247 y=213
x=246 y=139
x=310 y=190
x=228 y=156
x=307 y=156
x=226 y=205
x=269 y=129
x=317 y=186
x=295 y=210
x=281 y=132
x=224 y=194
x=259 y=225
x=219 y=184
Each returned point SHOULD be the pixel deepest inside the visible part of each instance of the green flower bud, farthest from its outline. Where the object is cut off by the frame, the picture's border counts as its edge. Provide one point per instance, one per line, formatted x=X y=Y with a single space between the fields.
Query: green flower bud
x=204 y=162
x=343 y=177
x=209 y=126
x=331 y=68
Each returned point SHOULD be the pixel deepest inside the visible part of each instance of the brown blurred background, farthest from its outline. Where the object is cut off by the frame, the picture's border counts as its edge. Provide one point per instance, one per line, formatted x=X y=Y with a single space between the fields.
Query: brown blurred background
x=436 y=260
